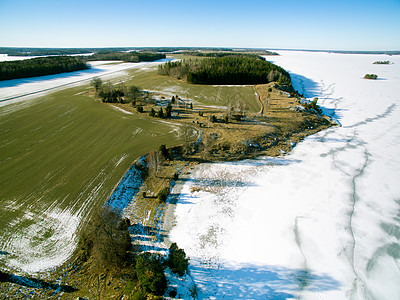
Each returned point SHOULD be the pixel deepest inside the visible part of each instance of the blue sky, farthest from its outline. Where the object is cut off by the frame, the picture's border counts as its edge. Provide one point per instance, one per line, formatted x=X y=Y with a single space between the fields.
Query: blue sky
x=307 y=24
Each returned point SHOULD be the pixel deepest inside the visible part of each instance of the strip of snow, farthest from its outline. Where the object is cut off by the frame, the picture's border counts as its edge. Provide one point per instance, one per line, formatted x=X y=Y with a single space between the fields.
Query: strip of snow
x=16 y=90
x=121 y=110
x=127 y=188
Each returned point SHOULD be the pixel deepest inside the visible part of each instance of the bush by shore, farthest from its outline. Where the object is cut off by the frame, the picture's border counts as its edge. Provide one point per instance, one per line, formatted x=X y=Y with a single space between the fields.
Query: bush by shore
x=371 y=76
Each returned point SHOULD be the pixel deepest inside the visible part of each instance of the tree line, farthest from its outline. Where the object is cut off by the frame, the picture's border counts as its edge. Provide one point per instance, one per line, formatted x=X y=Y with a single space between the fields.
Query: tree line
x=225 y=54
x=40 y=66
x=126 y=56
x=384 y=62
x=226 y=70
x=50 y=65
x=44 y=51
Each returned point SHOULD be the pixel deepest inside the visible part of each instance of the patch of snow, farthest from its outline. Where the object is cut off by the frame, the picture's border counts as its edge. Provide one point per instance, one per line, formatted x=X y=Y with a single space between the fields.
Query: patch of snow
x=30 y=252
x=121 y=110
x=184 y=286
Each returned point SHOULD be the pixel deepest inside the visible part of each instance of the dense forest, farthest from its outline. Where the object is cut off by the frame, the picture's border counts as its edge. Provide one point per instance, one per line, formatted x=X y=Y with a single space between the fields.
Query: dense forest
x=223 y=54
x=17 y=51
x=44 y=51
x=40 y=66
x=226 y=70
x=126 y=56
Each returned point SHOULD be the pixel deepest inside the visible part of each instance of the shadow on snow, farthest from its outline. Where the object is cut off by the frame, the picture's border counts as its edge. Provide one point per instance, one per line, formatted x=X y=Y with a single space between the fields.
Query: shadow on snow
x=257 y=282
x=35 y=283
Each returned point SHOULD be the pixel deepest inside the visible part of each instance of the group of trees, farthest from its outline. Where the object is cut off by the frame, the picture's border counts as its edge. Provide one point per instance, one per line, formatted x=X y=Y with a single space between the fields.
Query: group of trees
x=312 y=106
x=112 y=94
x=107 y=243
x=40 y=66
x=225 y=54
x=226 y=70
x=126 y=56
x=150 y=269
x=160 y=112
x=107 y=240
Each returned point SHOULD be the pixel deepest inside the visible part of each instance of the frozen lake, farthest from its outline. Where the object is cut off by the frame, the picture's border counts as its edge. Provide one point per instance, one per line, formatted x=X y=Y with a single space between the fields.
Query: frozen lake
x=320 y=223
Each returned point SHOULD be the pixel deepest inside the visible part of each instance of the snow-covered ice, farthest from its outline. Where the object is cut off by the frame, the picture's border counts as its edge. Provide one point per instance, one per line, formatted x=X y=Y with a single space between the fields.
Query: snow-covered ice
x=322 y=222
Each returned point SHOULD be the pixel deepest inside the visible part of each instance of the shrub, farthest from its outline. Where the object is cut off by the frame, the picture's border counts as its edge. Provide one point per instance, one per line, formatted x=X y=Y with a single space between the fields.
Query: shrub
x=129 y=287
x=152 y=113
x=3 y=276
x=177 y=260
x=237 y=117
x=163 y=194
x=138 y=296
x=160 y=113
x=164 y=151
x=173 y=293
x=168 y=111
x=312 y=106
x=139 y=109
x=124 y=224
x=371 y=76
x=150 y=273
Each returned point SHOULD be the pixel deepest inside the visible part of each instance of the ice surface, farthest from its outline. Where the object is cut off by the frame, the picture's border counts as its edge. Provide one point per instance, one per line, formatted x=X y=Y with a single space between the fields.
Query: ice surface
x=320 y=223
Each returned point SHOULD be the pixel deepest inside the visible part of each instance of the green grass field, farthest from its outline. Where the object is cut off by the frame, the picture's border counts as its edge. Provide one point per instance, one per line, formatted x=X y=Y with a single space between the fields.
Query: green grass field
x=60 y=157
x=62 y=154
x=148 y=79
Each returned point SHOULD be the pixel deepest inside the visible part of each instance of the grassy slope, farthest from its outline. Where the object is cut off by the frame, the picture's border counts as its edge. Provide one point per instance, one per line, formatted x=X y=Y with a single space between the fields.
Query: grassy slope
x=209 y=95
x=66 y=151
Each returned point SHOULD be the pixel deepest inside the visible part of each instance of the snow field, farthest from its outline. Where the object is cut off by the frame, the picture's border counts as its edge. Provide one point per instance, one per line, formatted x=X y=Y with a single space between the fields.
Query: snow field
x=16 y=90
x=319 y=223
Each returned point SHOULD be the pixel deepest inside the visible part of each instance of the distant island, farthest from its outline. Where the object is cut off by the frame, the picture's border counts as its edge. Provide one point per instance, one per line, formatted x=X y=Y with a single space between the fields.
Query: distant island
x=13 y=51
x=385 y=62
x=371 y=76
